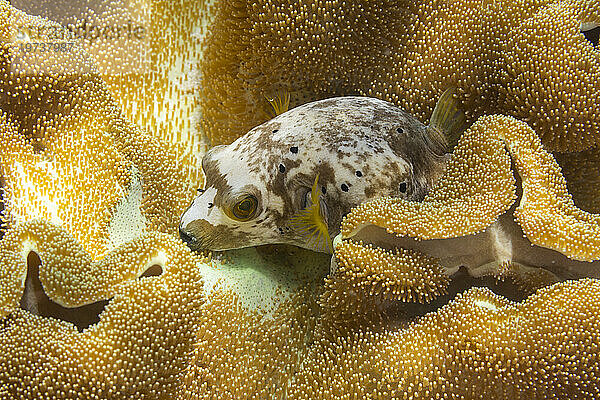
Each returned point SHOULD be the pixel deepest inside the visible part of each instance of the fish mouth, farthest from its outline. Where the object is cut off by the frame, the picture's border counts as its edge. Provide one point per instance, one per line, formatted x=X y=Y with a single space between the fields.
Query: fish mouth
x=201 y=236
x=190 y=241
x=195 y=243
x=187 y=238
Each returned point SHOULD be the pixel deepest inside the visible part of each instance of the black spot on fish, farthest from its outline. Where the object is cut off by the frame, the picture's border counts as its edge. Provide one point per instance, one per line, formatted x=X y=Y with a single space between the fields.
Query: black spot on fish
x=294 y=149
x=200 y=191
x=324 y=189
x=275 y=130
x=281 y=168
x=210 y=205
x=403 y=187
x=344 y=187
x=358 y=173
x=281 y=231
x=399 y=130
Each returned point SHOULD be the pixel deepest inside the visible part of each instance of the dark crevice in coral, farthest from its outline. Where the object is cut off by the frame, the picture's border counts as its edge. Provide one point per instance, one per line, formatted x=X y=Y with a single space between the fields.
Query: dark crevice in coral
x=592 y=35
x=5 y=323
x=155 y=270
x=35 y=300
x=582 y=178
x=461 y=282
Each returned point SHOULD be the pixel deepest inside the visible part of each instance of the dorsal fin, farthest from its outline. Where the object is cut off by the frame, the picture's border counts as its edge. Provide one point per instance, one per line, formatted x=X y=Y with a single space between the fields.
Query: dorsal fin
x=280 y=103
x=447 y=119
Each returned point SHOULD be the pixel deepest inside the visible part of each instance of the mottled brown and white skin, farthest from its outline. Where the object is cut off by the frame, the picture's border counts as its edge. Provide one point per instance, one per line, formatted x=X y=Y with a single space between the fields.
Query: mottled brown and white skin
x=360 y=147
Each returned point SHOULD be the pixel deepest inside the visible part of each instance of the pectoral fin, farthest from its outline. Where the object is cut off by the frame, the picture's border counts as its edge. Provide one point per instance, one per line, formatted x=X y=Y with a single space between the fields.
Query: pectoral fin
x=311 y=222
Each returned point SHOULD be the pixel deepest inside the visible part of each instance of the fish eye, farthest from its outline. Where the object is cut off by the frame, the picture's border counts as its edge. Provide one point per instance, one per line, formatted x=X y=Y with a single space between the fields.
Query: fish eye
x=244 y=209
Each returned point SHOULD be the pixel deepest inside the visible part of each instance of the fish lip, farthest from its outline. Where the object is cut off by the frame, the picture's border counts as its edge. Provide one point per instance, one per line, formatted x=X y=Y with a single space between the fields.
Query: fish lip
x=194 y=243
x=190 y=241
x=187 y=238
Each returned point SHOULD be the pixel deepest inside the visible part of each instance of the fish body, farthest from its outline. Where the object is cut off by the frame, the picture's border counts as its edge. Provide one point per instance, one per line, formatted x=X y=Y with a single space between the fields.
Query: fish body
x=358 y=148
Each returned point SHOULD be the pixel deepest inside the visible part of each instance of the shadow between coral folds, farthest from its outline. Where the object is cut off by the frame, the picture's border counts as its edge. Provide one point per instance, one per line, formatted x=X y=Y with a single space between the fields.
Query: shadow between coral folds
x=592 y=36
x=461 y=282
x=154 y=270
x=35 y=300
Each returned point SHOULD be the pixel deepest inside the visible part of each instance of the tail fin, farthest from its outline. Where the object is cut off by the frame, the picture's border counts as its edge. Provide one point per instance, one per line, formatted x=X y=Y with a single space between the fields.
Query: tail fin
x=447 y=119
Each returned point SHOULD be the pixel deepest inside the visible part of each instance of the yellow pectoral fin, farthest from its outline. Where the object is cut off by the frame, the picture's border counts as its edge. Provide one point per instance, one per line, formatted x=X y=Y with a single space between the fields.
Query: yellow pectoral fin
x=311 y=224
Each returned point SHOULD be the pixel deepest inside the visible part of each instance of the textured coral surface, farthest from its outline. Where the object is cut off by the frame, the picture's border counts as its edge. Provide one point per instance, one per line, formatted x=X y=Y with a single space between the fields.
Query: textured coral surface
x=100 y=150
x=479 y=346
x=141 y=343
x=525 y=58
x=99 y=297
x=479 y=186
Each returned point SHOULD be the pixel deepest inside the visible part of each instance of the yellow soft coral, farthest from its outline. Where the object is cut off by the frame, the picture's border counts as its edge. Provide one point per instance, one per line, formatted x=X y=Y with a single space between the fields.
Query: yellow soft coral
x=138 y=346
x=479 y=346
x=156 y=60
x=470 y=196
x=65 y=183
x=546 y=211
x=477 y=187
x=142 y=52
x=354 y=335
x=240 y=354
x=255 y=49
x=71 y=157
x=87 y=172
x=366 y=281
x=551 y=75
x=403 y=274
x=518 y=57
x=82 y=187
x=582 y=171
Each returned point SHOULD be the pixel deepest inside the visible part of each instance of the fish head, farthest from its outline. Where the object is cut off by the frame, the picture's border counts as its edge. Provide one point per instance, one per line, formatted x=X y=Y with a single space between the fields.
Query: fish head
x=235 y=209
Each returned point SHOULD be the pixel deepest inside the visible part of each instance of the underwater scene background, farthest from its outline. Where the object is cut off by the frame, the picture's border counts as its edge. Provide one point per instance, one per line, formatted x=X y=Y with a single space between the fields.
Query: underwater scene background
x=488 y=288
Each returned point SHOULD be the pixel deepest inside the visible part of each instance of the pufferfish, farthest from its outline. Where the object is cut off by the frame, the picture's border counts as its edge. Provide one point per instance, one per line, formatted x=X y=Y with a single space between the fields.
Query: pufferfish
x=292 y=179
